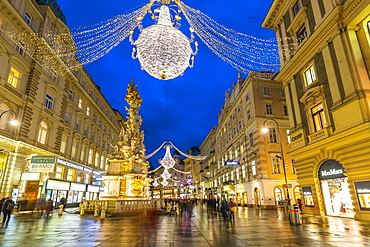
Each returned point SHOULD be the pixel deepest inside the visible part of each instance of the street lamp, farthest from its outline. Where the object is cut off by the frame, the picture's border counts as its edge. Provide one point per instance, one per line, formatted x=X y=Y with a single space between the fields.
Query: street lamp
x=265 y=130
x=13 y=122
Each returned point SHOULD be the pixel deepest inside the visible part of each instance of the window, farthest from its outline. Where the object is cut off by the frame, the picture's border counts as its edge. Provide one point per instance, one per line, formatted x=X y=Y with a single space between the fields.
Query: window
x=14 y=77
x=309 y=75
x=80 y=103
x=87 y=179
x=70 y=94
x=43 y=131
x=74 y=149
x=285 y=110
x=266 y=91
x=282 y=93
x=272 y=136
x=268 y=109
x=85 y=130
x=91 y=156
x=239 y=109
x=294 y=168
x=70 y=175
x=276 y=168
x=28 y=19
x=318 y=117
x=288 y=136
x=240 y=124
x=79 y=177
x=251 y=140
x=254 y=168
x=63 y=144
x=234 y=131
x=92 y=136
x=229 y=137
x=49 y=101
x=249 y=114
x=301 y=34
x=94 y=118
x=88 y=111
x=68 y=117
x=82 y=156
x=77 y=126
x=59 y=172
x=296 y=8
x=247 y=97
x=19 y=49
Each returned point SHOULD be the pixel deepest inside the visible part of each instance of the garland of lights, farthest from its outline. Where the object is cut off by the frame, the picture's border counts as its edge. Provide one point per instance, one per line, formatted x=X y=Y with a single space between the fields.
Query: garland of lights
x=162 y=49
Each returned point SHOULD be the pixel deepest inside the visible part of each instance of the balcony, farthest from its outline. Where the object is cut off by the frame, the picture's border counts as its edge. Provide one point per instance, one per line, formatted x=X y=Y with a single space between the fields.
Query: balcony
x=319 y=135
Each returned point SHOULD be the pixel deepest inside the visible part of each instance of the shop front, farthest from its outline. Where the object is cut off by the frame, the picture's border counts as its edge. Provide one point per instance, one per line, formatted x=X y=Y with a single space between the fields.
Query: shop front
x=335 y=191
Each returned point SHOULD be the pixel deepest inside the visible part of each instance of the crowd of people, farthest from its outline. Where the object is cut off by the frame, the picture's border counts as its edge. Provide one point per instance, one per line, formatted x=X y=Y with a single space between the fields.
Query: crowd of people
x=223 y=207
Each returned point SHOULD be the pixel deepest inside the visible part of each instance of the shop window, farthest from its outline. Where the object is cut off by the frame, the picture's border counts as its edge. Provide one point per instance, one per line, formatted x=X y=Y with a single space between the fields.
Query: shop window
x=301 y=34
x=70 y=174
x=272 y=136
x=14 y=77
x=43 y=131
x=309 y=75
x=276 y=167
x=59 y=172
x=307 y=196
x=268 y=109
x=363 y=194
x=318 y=117
x=79 y=177
x=49 y=101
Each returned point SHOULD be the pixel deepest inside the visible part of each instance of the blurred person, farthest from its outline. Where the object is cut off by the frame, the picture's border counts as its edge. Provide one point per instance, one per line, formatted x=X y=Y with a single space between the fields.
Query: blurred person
x=7 y=209
x=1 y=205
x=49 y=207
x=225 y=209
x=63 y=201
x=232 y=209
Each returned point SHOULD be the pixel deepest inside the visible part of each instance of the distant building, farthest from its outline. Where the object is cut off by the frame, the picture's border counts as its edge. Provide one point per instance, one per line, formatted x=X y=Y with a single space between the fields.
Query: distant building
x=325 y=54
x=242 y=162
x=66 y=118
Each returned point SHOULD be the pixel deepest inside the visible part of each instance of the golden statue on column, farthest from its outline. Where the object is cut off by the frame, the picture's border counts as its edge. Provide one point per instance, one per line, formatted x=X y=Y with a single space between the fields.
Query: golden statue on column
x=126 y=178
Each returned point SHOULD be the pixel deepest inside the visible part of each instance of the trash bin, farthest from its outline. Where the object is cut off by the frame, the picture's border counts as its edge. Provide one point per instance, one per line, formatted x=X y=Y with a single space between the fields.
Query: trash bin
x=294 y=214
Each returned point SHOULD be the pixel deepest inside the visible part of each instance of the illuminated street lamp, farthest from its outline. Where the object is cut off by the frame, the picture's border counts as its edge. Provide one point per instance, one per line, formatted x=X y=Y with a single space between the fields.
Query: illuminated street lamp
x=265 y=130
x=13 y=122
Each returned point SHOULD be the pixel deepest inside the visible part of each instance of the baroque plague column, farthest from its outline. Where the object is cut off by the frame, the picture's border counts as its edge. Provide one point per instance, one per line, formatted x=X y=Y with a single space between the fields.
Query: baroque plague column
x=126 y=178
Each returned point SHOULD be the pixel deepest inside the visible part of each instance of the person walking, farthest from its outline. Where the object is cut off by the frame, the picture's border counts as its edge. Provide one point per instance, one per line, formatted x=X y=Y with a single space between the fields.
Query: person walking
x=232 y=209
x=1 y=205
x=7 y=208
x=225 y=209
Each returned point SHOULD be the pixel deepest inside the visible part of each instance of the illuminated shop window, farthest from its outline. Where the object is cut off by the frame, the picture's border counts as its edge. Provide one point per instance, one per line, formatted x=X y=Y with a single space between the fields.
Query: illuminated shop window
x=363 y=194
x=70 y=174
x=318 y=117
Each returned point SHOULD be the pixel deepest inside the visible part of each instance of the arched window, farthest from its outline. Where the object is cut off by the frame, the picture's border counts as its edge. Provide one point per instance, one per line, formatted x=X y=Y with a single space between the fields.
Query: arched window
x=4 y=119
x=43 y=131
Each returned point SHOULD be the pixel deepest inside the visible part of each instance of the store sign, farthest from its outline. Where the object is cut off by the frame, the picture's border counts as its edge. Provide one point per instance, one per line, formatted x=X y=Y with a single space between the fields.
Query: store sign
x=331 y=169
x=91 y=188
x=30 y=176
x=78 y=187
x=363 y=187
x=42 y=164
x=232 y=163
x=78 y=167
x=57 y=185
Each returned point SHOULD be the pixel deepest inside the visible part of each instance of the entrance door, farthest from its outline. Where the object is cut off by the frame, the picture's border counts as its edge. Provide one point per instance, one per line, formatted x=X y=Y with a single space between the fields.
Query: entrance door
x=257 y=197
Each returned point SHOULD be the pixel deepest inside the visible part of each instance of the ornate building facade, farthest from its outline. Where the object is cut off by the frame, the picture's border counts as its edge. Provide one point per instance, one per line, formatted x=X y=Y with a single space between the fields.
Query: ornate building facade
x=66 y=128
x=242 y=162
x=325 y=54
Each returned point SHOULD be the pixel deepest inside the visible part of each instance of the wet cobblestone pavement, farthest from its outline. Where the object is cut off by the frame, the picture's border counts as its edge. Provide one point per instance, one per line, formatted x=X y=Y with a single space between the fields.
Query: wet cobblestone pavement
x=252 y=227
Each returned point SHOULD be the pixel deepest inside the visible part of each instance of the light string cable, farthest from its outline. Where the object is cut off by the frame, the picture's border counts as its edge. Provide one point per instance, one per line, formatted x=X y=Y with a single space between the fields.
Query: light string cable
x=189 y=156
x=241 y=51
x=96 y=40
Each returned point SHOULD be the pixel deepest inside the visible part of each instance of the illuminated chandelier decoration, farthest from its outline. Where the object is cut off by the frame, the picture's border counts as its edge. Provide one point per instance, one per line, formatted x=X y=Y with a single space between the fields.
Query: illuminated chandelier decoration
x=162 y=49
x=167 y=162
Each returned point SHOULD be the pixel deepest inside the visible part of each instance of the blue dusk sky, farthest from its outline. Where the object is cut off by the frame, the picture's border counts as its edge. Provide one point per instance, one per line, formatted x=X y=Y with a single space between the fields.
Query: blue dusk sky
x=182 y=110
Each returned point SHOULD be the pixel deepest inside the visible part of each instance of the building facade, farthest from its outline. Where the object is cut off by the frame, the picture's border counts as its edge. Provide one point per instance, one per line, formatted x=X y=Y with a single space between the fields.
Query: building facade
x=66 y=128
x=325 y=54
x=243 y=163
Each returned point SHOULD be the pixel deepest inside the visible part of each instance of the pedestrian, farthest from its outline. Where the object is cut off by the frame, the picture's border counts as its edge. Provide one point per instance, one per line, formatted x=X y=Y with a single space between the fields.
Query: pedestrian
x=1 y=205
x=7 y=209
x=299 y=201
x=49 y=207
x=63 y=202
x=225 y=209
x=232 y=209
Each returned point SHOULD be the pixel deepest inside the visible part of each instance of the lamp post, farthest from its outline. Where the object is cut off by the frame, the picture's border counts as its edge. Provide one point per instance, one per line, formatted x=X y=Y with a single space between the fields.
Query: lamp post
x=265 y=130
x=13 y=122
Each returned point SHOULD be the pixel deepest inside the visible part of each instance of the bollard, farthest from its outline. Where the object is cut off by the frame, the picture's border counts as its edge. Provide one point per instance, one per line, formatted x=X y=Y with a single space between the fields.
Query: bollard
x=82 y=209
x=294 y=214
x=103 y=210
x=96 y=210
x=60 y=210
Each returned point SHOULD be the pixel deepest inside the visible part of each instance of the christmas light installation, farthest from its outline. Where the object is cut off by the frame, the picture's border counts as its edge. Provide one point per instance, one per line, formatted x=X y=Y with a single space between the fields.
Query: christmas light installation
x=162 y=49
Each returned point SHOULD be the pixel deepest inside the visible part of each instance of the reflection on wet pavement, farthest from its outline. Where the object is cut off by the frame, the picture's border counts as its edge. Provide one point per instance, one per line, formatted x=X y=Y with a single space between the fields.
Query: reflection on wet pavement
x=252 y=227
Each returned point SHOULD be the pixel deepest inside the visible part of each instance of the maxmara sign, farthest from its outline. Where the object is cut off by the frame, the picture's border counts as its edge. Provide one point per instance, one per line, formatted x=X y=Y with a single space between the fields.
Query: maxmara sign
x=331 y=172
